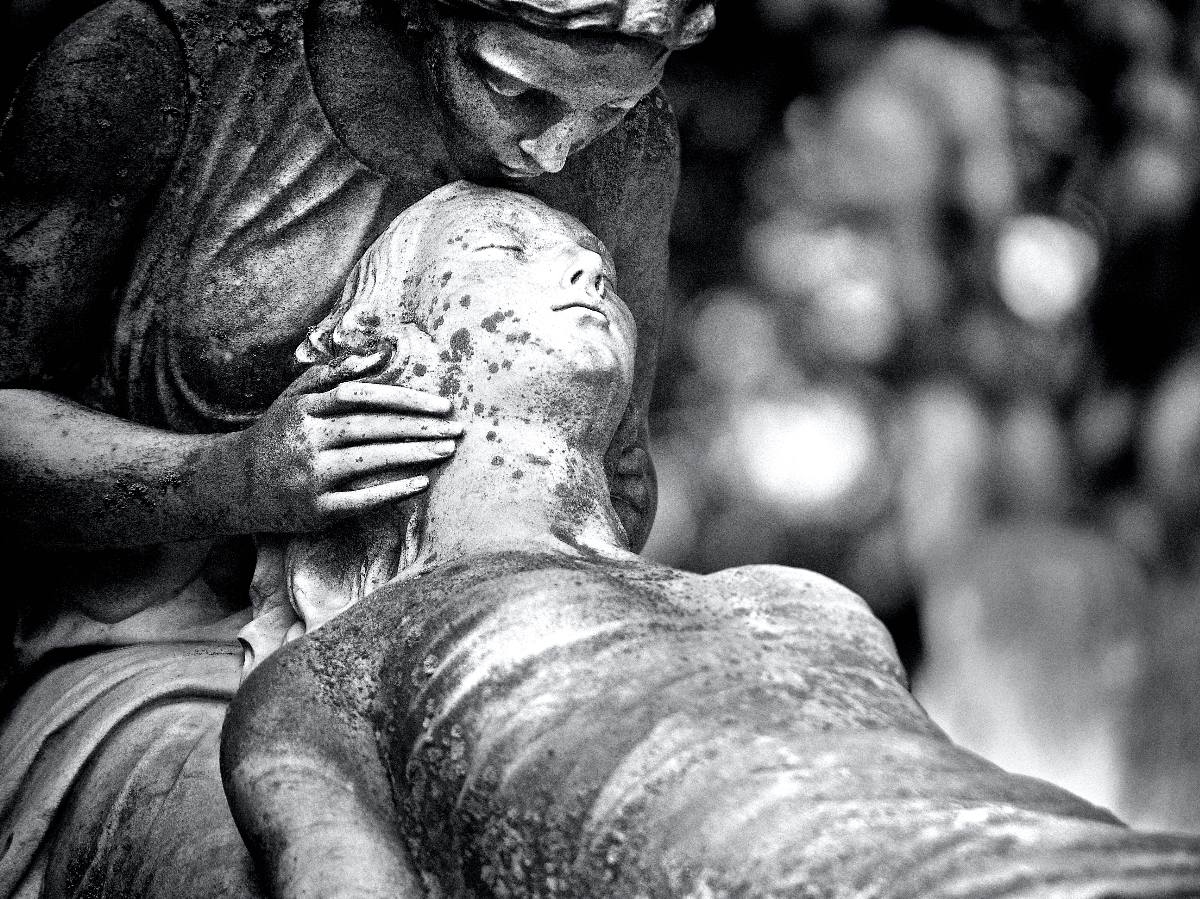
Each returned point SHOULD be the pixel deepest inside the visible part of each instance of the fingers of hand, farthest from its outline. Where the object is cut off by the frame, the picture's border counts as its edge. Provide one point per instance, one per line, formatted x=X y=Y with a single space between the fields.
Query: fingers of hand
x=633 y=461
x=635 y=490
x=337 y=465
x=349 y=430
x=354 y=396
x=357 y=366
x=350 y=502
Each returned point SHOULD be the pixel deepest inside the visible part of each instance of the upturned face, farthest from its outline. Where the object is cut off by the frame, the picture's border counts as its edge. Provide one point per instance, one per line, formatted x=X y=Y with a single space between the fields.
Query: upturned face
x=497 y=302
x=517 y=100
x=525 y=304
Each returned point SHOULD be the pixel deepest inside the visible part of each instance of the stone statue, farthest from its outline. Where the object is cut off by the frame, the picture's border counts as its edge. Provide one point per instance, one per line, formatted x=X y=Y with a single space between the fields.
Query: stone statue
x=526 y=708
x=186 y=185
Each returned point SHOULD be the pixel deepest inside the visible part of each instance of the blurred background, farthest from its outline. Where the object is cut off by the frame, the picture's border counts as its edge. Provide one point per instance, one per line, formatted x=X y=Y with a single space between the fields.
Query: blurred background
x=937 y=335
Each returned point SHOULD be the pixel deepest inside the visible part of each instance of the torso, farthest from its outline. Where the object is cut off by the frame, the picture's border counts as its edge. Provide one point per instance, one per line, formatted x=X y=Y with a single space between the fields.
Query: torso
x=264 y=214
x=474 y=600
x=531 y=681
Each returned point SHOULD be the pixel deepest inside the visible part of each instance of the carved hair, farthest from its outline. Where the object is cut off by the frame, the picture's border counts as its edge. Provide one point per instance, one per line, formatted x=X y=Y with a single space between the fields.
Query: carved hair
x=674 y=24
x=382 y=307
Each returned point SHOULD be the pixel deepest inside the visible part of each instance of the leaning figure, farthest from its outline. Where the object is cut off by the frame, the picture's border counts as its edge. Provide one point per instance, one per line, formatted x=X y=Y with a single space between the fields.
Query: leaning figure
x=184 y=187
x=524 y=707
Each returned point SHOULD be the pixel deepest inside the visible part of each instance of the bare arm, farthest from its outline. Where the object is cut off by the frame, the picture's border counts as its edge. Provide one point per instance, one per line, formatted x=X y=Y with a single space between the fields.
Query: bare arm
x=92 y=136
x=78 y=478
x=89 y=141
x=305 y=783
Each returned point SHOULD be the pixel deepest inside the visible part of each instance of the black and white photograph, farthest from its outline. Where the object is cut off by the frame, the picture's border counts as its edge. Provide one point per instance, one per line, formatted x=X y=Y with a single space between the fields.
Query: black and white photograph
x=600 y=449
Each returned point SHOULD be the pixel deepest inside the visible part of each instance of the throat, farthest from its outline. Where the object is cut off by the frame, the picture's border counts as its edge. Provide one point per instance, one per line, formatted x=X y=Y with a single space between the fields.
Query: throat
x=519 y=491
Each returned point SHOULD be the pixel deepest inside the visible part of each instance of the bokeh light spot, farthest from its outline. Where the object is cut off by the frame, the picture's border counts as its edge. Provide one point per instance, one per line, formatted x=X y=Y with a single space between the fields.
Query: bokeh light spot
x=1045 y=268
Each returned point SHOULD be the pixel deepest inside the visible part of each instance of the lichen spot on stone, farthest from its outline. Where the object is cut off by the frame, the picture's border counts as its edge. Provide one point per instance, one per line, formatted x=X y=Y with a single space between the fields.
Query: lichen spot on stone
x=450 y=383
x=460 y=343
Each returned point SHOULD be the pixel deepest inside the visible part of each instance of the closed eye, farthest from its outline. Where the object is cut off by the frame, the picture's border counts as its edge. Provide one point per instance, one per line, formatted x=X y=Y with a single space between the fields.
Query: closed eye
x=501 y=82
x=511 y=248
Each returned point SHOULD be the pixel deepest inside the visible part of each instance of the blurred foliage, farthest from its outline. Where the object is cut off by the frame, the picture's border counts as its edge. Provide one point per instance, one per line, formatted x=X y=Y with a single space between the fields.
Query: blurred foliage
x=936 y=336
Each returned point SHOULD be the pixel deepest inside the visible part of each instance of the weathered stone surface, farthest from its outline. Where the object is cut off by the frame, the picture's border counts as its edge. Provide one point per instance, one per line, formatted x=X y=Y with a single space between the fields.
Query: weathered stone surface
x=529 y=710
x=185 y=186
x=559 y=726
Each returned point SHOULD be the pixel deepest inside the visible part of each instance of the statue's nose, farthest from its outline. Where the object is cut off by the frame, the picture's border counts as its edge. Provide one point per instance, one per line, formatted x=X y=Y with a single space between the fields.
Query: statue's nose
x=551 y=148
x=584 y=269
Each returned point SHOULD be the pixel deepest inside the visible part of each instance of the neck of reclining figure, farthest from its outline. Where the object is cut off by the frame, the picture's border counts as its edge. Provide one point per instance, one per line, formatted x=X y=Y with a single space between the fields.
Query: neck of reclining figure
x=514 y=485
x=521 y=484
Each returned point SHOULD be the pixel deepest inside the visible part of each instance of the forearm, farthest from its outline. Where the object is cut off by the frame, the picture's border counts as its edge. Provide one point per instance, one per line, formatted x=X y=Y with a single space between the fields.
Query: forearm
x=73 y=477
x=311 y=833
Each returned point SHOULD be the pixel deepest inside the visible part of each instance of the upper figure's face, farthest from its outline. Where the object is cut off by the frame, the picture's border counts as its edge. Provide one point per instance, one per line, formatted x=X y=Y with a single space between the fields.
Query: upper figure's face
x=517 y=100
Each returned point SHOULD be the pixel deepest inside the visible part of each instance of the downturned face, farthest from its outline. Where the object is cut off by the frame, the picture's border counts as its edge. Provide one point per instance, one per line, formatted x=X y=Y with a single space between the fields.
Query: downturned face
x=517 y=100
x=526 y=306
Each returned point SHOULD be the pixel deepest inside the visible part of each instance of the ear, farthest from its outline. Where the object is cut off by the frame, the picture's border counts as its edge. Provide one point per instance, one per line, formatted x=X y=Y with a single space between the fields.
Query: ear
x=414 y=360
x=352 y=326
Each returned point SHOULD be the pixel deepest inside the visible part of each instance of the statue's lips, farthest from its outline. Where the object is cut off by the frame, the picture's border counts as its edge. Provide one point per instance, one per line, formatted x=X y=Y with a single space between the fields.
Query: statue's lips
x=580 y=304
x=509 y=171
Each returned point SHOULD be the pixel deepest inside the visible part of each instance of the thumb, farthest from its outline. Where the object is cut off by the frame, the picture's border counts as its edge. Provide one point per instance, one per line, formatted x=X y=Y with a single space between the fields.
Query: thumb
x=267 y=588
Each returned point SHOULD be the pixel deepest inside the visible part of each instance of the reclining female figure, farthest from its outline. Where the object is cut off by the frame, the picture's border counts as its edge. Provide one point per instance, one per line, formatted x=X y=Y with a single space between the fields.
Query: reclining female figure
x=529 y=709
